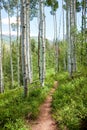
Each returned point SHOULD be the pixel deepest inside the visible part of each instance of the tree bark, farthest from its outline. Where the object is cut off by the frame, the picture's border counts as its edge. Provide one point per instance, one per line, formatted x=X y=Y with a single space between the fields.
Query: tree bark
x=42 y=42
x=11 y=62
x=1 y=71
x=65 y=64
x=56 y=43
x=73 y=33
x=68 y=34
x=28 y=46
x=18 y=56
x=23 y=40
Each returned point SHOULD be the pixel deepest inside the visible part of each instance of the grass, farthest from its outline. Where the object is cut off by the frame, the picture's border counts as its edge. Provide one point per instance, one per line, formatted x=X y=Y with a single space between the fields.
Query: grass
x=14 y=108
x=70 y=102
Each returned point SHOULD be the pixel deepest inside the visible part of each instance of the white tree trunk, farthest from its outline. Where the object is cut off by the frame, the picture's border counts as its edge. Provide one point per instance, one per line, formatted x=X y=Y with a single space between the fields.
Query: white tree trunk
x=18 y=57
x=71 y=26
x=42 y=42
x=56 y=43
x=85 y=24
x=11 y=63
x=75 y=21
x=68 y=35
x=28 y=47
x=23 y=40
x=38 y=20
x=64 y=36
x=72 y=31
x=1 y=73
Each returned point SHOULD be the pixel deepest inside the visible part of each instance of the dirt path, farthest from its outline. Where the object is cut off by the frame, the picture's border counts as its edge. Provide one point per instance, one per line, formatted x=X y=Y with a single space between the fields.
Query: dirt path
x=45 y=121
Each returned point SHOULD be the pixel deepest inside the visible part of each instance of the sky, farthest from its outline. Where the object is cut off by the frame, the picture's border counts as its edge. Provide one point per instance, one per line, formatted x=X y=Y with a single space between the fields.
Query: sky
x=34 y=23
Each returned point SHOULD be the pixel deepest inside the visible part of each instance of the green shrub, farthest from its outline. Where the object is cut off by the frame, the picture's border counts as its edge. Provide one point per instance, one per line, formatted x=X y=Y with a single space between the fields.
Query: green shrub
x=14 y=107
x=70 y=103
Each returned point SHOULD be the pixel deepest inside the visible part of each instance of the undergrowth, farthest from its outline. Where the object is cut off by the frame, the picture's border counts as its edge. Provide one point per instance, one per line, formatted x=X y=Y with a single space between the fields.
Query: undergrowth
x=15 y=109
x=70 y=102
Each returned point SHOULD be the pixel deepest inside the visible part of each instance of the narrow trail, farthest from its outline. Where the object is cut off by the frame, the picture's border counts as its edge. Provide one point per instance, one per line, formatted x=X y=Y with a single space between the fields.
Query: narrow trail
x=45 y=121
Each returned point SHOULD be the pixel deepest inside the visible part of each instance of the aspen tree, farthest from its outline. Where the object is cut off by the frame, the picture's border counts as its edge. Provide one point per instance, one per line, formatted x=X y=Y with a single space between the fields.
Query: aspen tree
x=18 y=56
x=1 y=72
x=23 y=42
x=71 y=26
x=28 y=46
x=55 y=42
x=84 y=23
x=68 y=34
x=10 y=41
x=42 y=42
x=72 y=34
x=65 y=64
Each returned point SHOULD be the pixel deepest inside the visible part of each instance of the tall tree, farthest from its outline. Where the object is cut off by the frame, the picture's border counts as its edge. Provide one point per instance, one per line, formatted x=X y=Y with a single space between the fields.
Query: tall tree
x=11 y=64
x=1 y=72
x=71 y=32
x=65 y=53
x=84 y=26
x=55 y=42
x=18 y=56
x=68 y=33
x=23 y=42
x=42 y=42
x=28 y=46
x=54 y=6
x=38 y=19
x=25 y=34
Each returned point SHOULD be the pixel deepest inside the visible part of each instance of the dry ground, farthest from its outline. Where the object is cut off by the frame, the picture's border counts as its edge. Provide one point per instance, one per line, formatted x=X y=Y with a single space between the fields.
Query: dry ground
x=45 y=120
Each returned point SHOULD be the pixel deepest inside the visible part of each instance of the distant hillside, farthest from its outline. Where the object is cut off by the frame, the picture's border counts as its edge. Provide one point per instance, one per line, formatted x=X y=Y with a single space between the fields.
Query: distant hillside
x=13 y=38
x=6 y=38
x=36 y=39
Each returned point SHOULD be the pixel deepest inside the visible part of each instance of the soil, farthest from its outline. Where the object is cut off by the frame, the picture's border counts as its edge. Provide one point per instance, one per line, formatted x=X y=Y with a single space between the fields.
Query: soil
x=45 y=120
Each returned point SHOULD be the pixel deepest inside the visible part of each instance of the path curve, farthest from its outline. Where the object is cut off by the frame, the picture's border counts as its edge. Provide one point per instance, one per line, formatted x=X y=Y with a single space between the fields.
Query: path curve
x=45 y=120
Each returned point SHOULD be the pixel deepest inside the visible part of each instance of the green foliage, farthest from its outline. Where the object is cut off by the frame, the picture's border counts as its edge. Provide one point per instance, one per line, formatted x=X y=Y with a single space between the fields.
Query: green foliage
x=14 y=3
x=81 y=51
x=69 y=103
x=62 y=54
x=14 y=108
x=7 y=66
x=78 y=6
x=50 y=78
x=19 y=125
x=33 y=45
x=49 y=55
x=34 y=52
x=53 y=4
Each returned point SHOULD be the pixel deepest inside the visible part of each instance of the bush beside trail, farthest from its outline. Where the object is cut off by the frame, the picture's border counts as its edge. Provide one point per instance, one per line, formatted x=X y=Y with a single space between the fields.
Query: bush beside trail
x=70 y=103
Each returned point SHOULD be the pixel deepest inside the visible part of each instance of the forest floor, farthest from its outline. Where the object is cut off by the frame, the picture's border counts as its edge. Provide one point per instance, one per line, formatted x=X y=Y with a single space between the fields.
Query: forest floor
x=45 y=120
